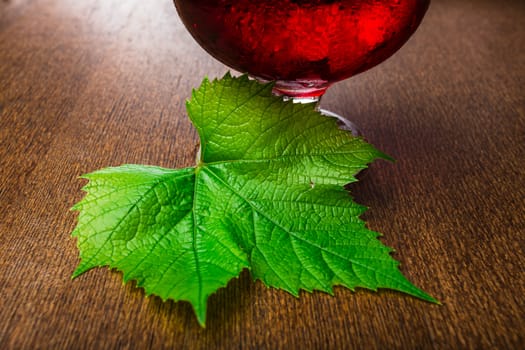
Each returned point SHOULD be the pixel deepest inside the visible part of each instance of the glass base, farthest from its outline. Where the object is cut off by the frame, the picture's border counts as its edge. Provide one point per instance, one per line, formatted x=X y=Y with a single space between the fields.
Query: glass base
x=343 y=123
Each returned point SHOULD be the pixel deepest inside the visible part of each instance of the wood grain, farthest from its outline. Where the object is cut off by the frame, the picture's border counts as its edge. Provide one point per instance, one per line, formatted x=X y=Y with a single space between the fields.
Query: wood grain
x=89 y=84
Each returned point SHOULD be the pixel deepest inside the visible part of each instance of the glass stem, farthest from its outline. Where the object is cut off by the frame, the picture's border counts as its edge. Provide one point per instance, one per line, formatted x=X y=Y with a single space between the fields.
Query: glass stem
x=313 y=99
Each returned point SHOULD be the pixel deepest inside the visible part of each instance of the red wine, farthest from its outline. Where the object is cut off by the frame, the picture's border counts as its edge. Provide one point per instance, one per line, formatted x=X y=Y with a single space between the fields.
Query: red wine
x=304 y=45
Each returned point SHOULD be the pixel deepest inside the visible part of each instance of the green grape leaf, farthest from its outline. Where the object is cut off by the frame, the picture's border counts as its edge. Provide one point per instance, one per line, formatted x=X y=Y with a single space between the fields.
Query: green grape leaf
x=266 y=195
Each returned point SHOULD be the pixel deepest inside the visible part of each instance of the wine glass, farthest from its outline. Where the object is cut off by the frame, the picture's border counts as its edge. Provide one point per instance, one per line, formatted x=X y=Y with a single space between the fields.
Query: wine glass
x=304 y=46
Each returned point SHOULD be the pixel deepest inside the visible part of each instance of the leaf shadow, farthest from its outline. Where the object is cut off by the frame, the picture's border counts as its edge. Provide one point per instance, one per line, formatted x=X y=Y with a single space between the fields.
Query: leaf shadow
x=224 y=309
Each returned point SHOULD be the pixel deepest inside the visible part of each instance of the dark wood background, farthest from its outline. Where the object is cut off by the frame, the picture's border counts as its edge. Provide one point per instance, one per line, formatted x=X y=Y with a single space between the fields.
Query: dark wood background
x=90 y=84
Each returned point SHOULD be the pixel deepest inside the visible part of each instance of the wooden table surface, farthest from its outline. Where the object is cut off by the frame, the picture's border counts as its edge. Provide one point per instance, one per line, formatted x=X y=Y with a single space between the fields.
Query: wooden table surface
x=90 y=84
